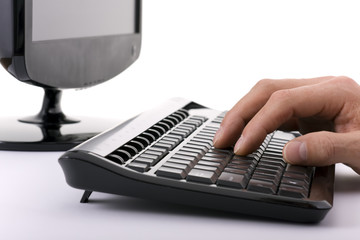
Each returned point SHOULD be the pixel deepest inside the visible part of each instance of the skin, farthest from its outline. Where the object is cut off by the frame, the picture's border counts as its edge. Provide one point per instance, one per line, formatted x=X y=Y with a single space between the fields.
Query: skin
x=325 y=110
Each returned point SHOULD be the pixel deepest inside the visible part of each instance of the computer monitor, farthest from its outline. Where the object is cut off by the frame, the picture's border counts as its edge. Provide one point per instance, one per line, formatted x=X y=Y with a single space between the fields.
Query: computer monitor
x=62 y=44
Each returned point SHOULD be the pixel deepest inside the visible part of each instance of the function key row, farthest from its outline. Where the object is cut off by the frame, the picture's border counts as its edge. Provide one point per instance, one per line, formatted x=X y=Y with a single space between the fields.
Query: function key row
x=139 y=143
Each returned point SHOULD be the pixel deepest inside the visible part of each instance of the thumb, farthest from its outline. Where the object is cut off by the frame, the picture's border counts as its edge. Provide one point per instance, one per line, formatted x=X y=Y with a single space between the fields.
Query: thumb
x=324 y=148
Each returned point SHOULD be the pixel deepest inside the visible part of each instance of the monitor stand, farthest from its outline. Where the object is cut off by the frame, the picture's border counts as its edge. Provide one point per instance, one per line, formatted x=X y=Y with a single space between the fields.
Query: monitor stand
x=50 y=129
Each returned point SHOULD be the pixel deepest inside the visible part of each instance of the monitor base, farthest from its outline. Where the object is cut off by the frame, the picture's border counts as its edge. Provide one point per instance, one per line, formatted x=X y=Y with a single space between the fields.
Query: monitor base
x=19 y=136
x=50 y=129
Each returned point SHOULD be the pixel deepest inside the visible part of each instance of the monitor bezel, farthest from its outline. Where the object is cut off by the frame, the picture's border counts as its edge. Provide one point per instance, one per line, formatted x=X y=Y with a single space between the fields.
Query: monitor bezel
x=92 y=60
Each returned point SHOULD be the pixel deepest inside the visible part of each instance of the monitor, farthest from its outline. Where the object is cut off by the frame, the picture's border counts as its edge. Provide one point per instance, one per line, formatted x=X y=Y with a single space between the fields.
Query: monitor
x=64 y=44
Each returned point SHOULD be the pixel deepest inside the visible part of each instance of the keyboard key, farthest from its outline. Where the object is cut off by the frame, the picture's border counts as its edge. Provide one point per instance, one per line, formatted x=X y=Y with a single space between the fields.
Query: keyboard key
x=181 y=161
x=292 y=191
x=218 y=160
x=211 y=164
x=277 y=168
x=137 y=144
x=205 y=145
x=184 y=167
x=283 y=136
x=169 y=172
x=297 y=176
x=295 y=182
x=179 y=133
x=193 y=122
x=164 y=145
x=147 y=161
x=261 y=186
x=123 y=154
x=204 y=141
x=306 y=171
x=154 y=158
x=185 y=152
x=232 y=180
x=199 y=118
x=275 y=179
x=208 y=168
x=159 y=152
x=203 y=176
x=171 y=139
x=238 y=171
x=184 y=157
x=239 y=166
x=198 y=148
x=116 y=158
x=130 y=149
x=137 y=166
x=273 y=162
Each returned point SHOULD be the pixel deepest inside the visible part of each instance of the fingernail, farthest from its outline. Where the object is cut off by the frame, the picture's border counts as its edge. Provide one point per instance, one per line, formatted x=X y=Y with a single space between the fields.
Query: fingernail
x=295 y=151
x=218 y=135
x=238 y=145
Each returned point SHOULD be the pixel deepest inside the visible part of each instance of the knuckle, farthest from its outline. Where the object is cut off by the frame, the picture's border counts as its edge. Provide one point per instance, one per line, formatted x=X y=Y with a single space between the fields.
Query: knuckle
x=281 y=95
x=327 y=147
x=343 y=81
x=265 y=84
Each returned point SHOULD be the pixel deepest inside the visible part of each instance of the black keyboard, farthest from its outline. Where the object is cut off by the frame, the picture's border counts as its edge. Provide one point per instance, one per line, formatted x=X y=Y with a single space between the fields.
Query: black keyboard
x=166 y=154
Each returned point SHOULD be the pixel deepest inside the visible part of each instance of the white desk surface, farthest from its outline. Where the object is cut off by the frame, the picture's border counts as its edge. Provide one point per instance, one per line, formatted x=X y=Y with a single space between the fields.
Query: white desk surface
x=36 y=203
x=208 y=51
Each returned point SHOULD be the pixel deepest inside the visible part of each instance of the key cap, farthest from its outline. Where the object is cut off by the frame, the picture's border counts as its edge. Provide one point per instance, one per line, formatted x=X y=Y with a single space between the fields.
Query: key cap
x=261 y=186
x=168 y=172
x=203 y=176
x=232 y=180
x=190 y=154
x=116 y=158
x=292 y=191
x=184 y=167
x=137 y=166
x=184 y=157
x=147 y=161
x=166 y=145
x=295 y=182
x=208 y=168
x=181 y=161
x=283 y=135
x=238 y=171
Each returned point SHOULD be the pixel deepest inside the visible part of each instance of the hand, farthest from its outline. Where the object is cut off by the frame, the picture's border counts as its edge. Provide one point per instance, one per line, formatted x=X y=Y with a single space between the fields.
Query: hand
x=326 y=110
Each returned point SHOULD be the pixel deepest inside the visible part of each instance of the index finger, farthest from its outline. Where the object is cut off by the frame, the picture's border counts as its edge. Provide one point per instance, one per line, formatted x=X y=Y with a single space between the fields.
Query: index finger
x=236 y=119
x=319 y=100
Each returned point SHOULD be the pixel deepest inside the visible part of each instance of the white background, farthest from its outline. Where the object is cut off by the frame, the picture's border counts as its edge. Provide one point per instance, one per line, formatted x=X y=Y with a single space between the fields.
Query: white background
x=213 y=51
x=209 y=51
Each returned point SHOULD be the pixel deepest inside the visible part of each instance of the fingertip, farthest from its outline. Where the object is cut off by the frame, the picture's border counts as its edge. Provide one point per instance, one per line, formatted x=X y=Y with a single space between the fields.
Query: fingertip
x=295 y=152
x=238 y=148
x=217 y=138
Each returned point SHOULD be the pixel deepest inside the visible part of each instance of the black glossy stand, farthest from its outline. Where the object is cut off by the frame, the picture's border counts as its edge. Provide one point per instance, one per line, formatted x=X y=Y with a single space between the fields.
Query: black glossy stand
x=50 y=129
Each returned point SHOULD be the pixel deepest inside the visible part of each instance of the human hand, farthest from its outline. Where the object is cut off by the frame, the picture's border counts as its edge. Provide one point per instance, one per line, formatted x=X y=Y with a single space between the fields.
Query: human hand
x=326 y=110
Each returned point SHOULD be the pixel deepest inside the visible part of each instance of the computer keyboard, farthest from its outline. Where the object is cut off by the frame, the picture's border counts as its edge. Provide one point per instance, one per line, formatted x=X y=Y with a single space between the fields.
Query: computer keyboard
x=166 y=154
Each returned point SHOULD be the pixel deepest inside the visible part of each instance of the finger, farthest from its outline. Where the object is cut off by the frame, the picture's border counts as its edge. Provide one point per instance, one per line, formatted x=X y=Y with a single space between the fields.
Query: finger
x=236 y=119
x=321 y=100
x=324 y=148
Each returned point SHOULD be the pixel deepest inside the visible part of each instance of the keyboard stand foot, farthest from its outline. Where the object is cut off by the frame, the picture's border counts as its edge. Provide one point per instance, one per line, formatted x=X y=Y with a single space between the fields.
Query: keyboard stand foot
x=85 y=197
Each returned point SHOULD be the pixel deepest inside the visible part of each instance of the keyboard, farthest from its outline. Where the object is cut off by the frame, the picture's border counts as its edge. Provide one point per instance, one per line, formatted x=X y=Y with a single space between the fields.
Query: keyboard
x=166 y=154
